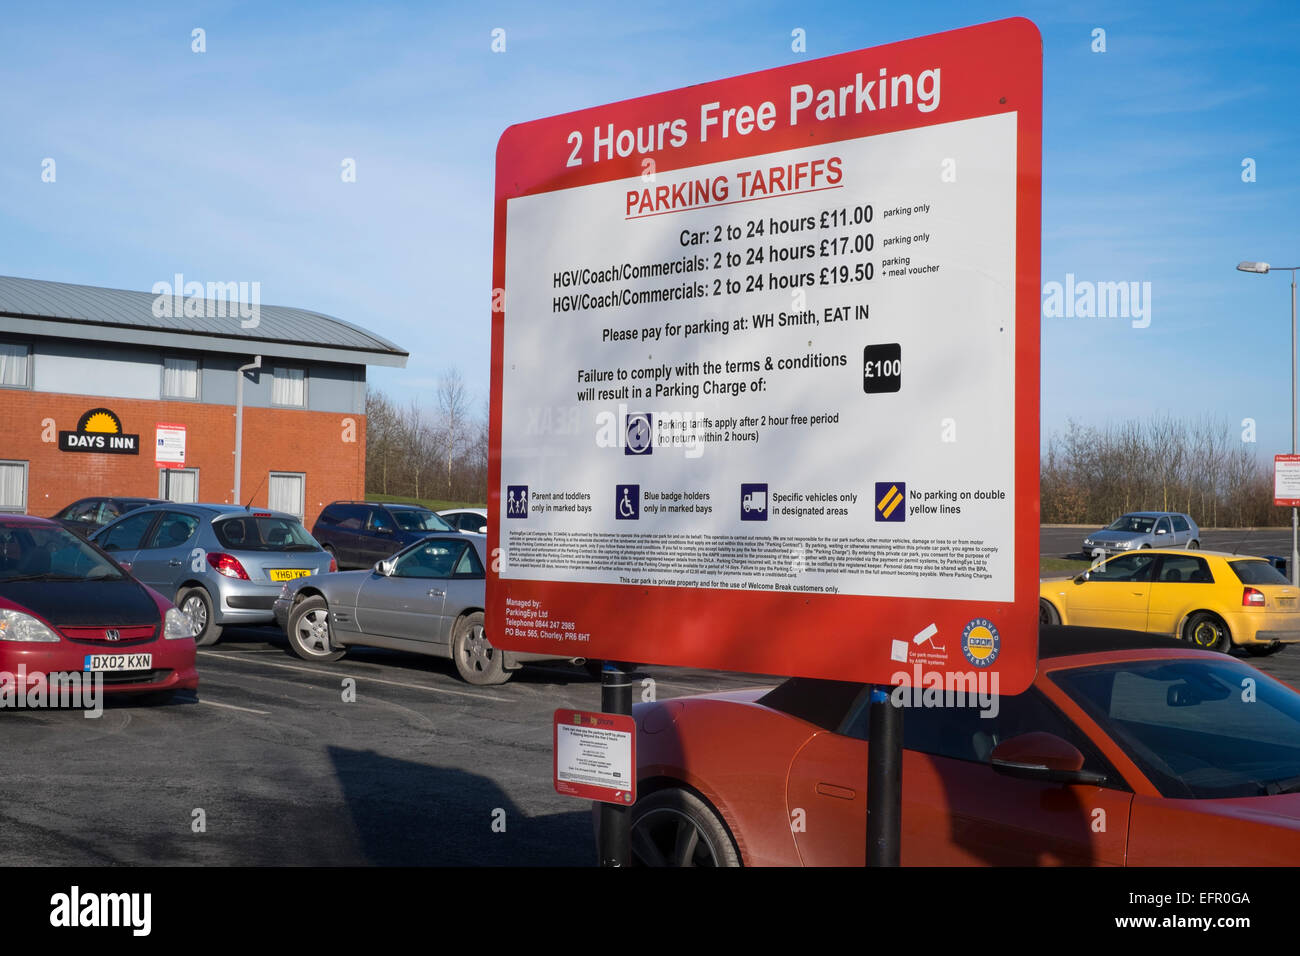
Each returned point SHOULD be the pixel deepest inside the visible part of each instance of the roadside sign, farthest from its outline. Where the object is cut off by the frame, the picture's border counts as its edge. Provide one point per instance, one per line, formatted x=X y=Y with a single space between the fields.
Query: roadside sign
x=595 y=756
x=765 y=369
x=169 y=445
x=1286 y=480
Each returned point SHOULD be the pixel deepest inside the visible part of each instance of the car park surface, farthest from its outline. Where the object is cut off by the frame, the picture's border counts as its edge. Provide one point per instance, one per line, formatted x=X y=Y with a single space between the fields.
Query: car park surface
x=221 y=564
x=1212 y=599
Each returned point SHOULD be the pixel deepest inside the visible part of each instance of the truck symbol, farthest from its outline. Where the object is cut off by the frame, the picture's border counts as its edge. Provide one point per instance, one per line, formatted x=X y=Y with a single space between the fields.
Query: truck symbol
x=754 y=501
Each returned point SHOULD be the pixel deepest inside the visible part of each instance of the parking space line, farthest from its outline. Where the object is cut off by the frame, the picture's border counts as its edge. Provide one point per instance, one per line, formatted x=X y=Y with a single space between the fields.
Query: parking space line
x=247 y=710
x=378 y=680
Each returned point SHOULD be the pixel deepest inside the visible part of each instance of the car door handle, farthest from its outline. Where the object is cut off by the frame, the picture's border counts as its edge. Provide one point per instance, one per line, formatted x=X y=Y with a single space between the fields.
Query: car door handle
x=176 y=562
x=434 y=592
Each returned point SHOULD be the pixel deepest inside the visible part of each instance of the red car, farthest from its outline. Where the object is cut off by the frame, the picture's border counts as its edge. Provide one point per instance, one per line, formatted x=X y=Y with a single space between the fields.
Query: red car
x=66 y=608
x=1128 y=749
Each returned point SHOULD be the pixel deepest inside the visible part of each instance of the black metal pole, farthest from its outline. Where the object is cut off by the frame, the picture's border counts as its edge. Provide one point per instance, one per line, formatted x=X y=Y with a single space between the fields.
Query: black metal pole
x=167 y=484
x=884 y=779
x=615 y=820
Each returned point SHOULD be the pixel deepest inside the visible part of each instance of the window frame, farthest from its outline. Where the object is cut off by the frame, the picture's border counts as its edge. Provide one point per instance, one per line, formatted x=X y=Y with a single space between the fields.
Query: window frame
x=29 y=373
x=198 y=377
x=27 y=489
x=306 y=384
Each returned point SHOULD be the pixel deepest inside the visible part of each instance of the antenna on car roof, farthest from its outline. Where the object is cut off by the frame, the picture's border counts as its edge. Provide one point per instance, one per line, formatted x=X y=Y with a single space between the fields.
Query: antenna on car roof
x=249 y=506
x=1243 y=541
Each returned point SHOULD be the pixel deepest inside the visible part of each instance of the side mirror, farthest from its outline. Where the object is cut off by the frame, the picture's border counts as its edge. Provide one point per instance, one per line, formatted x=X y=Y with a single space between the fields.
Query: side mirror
x=384 y=567
x=1080 y=578
x=1161 y=531
x=1043 y=757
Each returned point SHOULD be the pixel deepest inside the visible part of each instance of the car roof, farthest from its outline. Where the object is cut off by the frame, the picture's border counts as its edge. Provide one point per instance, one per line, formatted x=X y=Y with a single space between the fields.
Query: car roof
x=1226 y=555
x=825 y=703
x=219 y=509
x=16 y=520
x=1152 y=514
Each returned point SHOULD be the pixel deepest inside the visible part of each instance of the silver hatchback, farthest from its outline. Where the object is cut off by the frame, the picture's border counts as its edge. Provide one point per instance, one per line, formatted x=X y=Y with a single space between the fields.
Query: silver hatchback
x=220 y=564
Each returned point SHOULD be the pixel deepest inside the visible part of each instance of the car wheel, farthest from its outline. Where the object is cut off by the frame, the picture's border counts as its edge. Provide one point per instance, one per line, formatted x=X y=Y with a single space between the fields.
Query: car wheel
x=1193 y=545
x=197 y=603
x=676 y=828
x=1263 y=650
x=477 y=661
x=1047 y=613
x=309 y=630
x=1207 y=631
x=1144 y=547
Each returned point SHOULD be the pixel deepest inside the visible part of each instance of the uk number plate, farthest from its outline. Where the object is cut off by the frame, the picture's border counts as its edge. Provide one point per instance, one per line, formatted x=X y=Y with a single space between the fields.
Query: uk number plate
x=118 y=662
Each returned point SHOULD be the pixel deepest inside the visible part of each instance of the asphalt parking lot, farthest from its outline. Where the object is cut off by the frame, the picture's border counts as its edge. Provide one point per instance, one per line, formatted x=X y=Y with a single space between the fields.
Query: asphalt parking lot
x=279 y=769
x=1058 y=542
x=284 y=772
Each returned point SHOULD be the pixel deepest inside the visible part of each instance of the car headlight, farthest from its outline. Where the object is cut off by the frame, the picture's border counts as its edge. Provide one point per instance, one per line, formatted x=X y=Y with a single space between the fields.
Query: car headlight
x=177 y=624
x=17 y=626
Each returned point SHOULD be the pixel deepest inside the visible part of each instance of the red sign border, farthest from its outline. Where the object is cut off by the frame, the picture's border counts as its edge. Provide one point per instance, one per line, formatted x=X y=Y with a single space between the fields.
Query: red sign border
x=990 y=68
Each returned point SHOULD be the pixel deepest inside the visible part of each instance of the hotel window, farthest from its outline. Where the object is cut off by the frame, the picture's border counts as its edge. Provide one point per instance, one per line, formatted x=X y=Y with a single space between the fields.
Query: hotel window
x=13 y=486
x=179 y=484
x=289 y=387
x=15 y=363
x=285 y=493
x=180 y=379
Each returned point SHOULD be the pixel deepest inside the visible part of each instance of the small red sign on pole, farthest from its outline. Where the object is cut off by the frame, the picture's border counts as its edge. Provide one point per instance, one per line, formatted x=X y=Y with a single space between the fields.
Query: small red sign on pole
x=1286 y=480
x=595 y=756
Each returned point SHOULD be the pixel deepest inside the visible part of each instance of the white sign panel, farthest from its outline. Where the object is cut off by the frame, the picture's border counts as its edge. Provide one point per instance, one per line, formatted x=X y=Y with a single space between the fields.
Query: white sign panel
x=169 y=445
x=729 y=332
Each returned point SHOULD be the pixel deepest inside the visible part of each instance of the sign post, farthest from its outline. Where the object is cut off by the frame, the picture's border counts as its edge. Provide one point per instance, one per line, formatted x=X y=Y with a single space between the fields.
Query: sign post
x=765 y=365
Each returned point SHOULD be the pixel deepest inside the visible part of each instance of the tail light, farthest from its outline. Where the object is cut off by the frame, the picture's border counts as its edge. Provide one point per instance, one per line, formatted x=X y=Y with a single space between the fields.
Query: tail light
x=1252 y=598
x=228 y=565
x=334 y=565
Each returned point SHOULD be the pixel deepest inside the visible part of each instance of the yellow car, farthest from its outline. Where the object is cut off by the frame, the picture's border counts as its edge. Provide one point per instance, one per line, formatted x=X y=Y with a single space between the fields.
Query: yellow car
x=1212 y=599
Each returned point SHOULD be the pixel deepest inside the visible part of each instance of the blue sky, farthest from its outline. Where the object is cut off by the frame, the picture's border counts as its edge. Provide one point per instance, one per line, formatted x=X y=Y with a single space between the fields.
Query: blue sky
x=225 y=165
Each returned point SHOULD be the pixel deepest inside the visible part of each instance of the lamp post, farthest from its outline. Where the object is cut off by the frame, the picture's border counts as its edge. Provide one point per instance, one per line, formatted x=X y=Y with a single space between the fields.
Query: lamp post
x=1263 y=268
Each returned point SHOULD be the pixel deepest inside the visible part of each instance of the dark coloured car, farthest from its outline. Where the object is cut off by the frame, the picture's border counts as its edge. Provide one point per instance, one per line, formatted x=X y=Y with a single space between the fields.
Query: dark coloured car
x=69 y=613
x=88 y=515
x=359 y=533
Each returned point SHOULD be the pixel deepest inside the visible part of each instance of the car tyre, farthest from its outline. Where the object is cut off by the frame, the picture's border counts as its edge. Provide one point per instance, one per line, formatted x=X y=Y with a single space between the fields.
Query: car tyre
x=674 y=827
x=197 y=603
x=1047 y=614
x=1263 y=650
x=308 y=630
x=1193 y=545
x=477 y=661
x=1207 y=631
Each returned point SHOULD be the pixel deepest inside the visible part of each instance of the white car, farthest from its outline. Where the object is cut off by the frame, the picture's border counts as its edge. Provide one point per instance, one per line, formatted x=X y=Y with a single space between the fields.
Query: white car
x=467 y=520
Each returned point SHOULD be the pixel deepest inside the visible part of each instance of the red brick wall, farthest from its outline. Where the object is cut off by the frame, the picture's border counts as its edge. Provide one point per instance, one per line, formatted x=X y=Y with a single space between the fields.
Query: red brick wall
x=275 y=439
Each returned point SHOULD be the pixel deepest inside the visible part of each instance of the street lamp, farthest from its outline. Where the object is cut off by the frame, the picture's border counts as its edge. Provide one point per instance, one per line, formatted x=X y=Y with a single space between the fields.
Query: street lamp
x=1263 y=268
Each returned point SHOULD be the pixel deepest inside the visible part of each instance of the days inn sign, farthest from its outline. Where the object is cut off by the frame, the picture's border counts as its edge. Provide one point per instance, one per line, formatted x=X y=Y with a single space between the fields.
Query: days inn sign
x=99 y=430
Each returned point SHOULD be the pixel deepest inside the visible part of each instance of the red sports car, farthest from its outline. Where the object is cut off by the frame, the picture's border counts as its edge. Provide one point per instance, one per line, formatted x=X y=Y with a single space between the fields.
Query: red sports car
x=1128 y=749
x=68 y=609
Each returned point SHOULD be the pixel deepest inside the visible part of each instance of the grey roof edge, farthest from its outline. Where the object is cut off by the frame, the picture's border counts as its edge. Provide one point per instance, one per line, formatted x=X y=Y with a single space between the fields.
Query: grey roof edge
x=188 y=341
x=34 y=286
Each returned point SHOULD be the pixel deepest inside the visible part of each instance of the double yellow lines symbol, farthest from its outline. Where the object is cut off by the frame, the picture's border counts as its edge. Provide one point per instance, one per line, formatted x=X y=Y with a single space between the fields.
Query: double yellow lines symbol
x=886 y=505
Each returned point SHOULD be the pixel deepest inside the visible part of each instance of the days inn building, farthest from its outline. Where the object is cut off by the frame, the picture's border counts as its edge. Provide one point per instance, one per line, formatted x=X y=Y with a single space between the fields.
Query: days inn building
x=136 y=394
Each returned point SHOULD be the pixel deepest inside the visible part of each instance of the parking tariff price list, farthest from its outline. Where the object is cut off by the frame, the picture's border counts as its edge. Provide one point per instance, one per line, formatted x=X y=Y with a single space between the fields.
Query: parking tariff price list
x=728 y=318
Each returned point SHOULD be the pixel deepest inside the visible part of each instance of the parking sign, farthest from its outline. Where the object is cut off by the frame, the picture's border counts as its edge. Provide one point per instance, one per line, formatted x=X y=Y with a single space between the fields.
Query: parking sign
x=795 y=314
